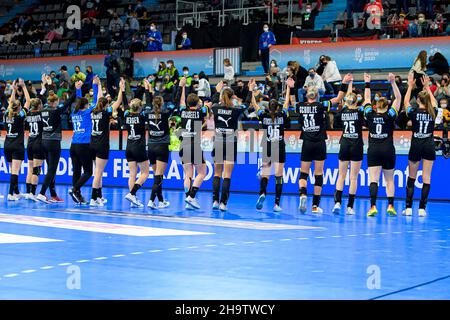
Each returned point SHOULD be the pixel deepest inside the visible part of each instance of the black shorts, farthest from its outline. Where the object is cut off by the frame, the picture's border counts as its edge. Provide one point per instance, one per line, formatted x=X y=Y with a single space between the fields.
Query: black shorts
x=14 y=152
x=314 y=150
x=34 y=150
x=191 y=153
x=224 y=151
x=381 y=155
x=158 y=152
x=136 y=153
x=349 y=151
x=99 y=151
x=273 y=152
x=422 y=150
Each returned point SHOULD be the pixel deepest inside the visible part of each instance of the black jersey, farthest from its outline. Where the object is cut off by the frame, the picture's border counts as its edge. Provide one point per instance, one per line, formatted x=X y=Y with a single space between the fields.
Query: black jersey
x=135 y=125
x=274 y=127
x=158 y=126
x=351 y=121
x=34 y=121
x=100 y=127
x=15 y=127
x=313 y=120
x=226 y=121
x=422 y=124
x=192 y=122
x=381 y=125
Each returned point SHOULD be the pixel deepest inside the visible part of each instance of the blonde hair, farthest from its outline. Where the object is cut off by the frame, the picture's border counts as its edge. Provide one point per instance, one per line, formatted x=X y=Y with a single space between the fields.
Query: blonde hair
x=135 y=104
x=425 y=99
x=14 y=110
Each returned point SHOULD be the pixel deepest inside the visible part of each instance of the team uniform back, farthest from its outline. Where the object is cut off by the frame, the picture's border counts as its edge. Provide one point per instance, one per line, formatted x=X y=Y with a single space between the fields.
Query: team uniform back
x=313 y=126
x=158 y=135
x=351 y=142
x=99 y=143
x=381 y=151
x=422 y=141
x=135 y=126
x=14 y=142
x=191 y=127
x=225 y=138
x=272 y=143
x=35 y=125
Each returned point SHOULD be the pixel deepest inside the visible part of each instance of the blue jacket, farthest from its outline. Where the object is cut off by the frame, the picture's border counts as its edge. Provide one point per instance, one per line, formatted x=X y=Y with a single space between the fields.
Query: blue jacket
x=186 y=44
x=155 y=45
x=265 y=39
x=81 y=120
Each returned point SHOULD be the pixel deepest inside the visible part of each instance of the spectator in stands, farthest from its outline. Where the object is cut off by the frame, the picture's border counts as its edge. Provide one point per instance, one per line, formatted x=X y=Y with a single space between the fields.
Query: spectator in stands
x=115 y=25
x=266 y=40
x=185 y=43
x=437 y=25
x=400 y=26
x=419 y=69
x=300 y=75
x=139 y=9
x=137 y=45
x=203 y=89
x=290 y=74
x=55 y=33
x=87 y=30
x=314 y=81
x=274 y=73
x=374 y=9
x=78 y=75
x=154 y=39
x=127 y=36
x=438 y=64
x=242 y=90
x=162 y=70
x=228 y=71
x=331 y=75
x=355 y=10
x=173 y=72
x=133 y=22
x=308 y=18
x=112 y=73
x=64 y=77
x=54 y=80
x=87 y=85
x=443 y=88
x=422 y=26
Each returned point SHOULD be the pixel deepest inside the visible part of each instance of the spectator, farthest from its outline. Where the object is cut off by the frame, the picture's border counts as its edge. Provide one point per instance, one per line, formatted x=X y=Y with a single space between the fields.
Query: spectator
x=290 y=74
x=173 y=72
x=400 y=26
x=308 y=18
x=266 y=40
x=438 y=64
x=419 y=68
x=188 y=78
x=78 y=75
x=154 y=39
x=374 y=8
x=112 y=73
x=228 y=71
x=162 y=70
x=437 y=25
x=427 y=7
x=355 y=10
x=320 y=66
x=56 y=32
x=331 y=75
x=300 y=74
x=312 y=81
x=64 y=77
x=115 y=25
x=242 y=90
x=136 y=45
x=89 y=79
x=133 y=22
x=203 y=90
x=139 y=9
x=443 y=88
x=87 y=30
x=422 y=26
x=185 y=43
x=274 y=73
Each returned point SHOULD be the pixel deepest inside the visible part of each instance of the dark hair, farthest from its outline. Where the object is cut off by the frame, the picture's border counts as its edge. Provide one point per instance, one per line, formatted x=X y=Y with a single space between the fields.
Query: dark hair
x=163 y=65
x=157 y=104
x=202 y=75
x=227 y=94
x=273 y=108
x=81 y=102
x=63 y=68
x=101 y=105
x=192 y=100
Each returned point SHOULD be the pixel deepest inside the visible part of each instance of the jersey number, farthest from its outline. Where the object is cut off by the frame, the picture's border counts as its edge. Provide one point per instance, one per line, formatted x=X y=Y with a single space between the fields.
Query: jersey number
x=132 y=132
x=34 y=128
x=274 y=132
x=188 y=125
x=95 y=124
x=9 y=129
x=379 y=128
x=423 y=126
x=311 y=122
x=349 y=127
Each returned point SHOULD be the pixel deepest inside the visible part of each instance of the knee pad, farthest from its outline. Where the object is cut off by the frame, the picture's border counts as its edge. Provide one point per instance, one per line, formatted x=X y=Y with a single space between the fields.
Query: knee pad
x=37 y=171
x=278 y=180
x=318 y=180
x=303 y=176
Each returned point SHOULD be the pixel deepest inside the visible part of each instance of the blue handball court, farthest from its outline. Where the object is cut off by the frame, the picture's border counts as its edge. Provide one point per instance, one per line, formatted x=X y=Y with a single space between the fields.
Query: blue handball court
x=62 y=251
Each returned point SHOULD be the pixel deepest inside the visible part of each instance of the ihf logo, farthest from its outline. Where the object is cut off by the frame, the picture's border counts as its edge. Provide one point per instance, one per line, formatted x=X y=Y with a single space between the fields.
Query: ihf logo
x=359 y=55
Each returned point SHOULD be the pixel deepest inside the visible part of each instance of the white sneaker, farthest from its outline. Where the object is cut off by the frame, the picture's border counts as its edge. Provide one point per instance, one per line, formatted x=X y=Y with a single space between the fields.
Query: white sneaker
x=21 y=195
x=152 y=205
x=42 y=198
x=103 y=200
x=260 y=202
x=350 y=211
x=407 y=212
x=223 y=207
x=277 y=208
x=12 y=197
x=163 y=204
x=138 y=204
x=215 y=205
x=422 y=212
x=316 y=210
x=302 y=205
x=132 y=199
x=337 y=208
x=193 y=202
x=188 y=207
x=96 y=203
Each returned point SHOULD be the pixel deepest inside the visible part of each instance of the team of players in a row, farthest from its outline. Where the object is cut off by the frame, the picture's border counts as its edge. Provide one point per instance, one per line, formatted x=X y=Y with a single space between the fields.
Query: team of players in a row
x=90 y=142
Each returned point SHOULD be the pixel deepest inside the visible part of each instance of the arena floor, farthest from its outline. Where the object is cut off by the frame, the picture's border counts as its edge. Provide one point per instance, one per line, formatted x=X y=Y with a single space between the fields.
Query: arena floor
x=68 y=252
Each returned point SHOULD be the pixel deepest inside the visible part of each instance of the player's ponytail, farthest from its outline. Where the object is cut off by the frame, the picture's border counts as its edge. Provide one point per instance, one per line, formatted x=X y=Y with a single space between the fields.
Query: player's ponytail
x=81 y=102
x=101 y=105
x=424 y=98
x=227 y=95
x=35 y=104
x=14 y=109
x=157 y=104
x=273 y=108
x=135 y=105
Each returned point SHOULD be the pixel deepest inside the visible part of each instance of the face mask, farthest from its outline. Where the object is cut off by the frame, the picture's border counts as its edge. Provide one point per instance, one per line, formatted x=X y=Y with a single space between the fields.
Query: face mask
x=77 y=71
x=287 y=73
x=267 y=89
x=273 y=65
x=359 y=99
x=186 y=73
x=350 y=101
x=266 y=29
x=308 y=10
x=443 y=105
x=152 y=28
x=376 y=98
x=184 y=36
x=311 y=75
x=430 y=83
x=169 y=65
x=91 y=93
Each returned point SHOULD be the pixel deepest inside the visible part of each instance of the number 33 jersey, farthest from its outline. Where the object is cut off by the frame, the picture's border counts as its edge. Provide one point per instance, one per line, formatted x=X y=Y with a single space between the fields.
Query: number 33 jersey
x=381 y=125
x=313 y=120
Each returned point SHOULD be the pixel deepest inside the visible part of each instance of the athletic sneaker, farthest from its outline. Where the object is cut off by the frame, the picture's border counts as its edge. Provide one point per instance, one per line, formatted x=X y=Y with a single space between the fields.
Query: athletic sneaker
x=42 y=198
x=74 y=196
x=337 y=208
x=188 y=207
x=372 y=211
x=407 y=212
x=96 y=203
x=21 y=195
x=57 y=199
x=391 y=210
x=302 y=205
x=350 y=211
x=277 y=208
x=163 y=204
x=422 y=212
x=193 y=202
x=138 y=204
x=82 y=199
x=12 y=197
x=215 y=205
x=223 y=207
x=316 y=210
x=33 y=197
x=260 y=202
x=133 y=199
x=104 y=200
x=152 y=205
